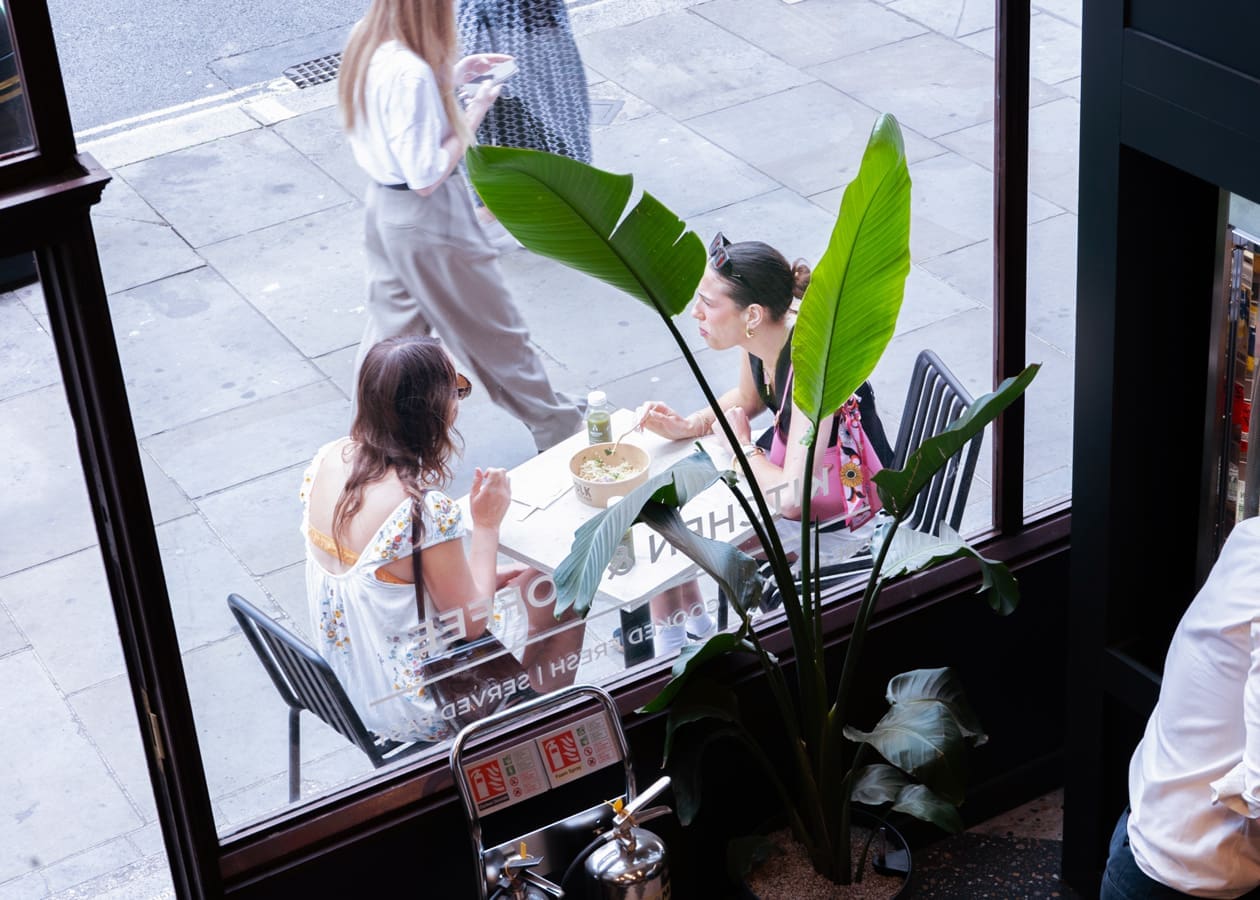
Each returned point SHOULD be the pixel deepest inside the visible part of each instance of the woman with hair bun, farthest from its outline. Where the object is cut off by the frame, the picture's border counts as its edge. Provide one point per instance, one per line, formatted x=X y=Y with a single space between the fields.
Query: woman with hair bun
x=363 y=498
x=746 y=299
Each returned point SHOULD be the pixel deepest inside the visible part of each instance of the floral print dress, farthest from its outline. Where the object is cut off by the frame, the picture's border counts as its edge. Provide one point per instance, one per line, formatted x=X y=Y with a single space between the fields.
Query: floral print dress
x=369 y=629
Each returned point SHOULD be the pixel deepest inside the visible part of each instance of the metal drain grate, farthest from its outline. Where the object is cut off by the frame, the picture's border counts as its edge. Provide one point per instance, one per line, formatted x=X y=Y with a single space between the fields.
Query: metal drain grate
x=314 y=71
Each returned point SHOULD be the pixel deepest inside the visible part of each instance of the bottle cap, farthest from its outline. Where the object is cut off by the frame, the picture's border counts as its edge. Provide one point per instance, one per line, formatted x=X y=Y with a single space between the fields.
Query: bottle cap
x=596 y=398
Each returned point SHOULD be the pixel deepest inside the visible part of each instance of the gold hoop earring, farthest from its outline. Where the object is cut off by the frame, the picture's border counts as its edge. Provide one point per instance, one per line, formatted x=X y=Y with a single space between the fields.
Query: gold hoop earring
x=748 y=332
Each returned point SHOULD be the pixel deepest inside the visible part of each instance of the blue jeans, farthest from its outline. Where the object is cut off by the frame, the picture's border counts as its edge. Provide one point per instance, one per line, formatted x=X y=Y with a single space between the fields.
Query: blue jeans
x=1123 y=880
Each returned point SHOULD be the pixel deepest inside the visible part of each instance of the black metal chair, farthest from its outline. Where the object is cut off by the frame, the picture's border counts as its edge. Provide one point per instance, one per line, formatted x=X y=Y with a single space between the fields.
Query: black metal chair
x=934 y=399
x=305 y=681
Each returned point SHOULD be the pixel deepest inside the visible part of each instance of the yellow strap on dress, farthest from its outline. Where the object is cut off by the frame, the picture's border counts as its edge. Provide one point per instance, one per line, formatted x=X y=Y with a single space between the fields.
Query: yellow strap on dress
x=347 y=557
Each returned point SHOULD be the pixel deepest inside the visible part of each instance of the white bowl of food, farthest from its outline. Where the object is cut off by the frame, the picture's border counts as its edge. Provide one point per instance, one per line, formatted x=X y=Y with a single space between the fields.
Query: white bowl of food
x=600 y=472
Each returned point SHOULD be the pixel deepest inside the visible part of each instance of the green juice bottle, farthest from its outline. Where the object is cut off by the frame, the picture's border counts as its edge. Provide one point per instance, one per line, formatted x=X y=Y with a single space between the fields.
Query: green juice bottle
x=598 y=418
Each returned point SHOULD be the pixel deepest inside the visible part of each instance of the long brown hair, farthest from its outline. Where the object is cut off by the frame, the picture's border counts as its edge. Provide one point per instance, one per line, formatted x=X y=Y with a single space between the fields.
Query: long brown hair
x=425 y=27
x=403 y=424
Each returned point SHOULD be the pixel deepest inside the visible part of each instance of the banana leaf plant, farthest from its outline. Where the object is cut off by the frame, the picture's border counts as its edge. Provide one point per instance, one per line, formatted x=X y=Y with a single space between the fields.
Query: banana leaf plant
x=912 y=760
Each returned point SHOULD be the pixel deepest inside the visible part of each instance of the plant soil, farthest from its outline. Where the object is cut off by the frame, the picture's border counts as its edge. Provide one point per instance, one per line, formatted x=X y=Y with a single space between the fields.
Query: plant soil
x=792 y=877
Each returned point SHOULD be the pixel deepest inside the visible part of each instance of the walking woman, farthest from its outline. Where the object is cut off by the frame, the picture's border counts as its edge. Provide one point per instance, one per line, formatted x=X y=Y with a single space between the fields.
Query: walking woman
x=545 y=107
x=430 y=268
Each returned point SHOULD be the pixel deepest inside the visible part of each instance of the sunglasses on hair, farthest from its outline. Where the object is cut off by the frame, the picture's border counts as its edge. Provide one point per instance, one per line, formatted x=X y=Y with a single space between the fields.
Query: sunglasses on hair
x=463 y=387
x=720 y=259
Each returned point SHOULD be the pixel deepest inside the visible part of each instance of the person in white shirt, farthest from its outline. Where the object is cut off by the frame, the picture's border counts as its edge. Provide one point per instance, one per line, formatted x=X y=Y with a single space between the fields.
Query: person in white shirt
x=430 y=268
x=1194 y=781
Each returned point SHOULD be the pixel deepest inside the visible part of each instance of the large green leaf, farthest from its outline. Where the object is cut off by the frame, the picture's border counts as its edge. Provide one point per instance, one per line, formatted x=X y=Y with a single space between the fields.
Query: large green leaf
x=850 y=310
x=898 y=488
x=691 y=659
x=920 y=801
x=921 y=738
x=705 y=698
x=576 y=214
x=913 y=550
x=578 y=575
x=685 y=769
x=938 y=684
x=878 y=784
x=882 y=784
x=736 y=573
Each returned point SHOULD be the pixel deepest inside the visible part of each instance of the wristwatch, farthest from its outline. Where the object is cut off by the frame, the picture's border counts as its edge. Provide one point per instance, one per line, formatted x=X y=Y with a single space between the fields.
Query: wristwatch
x=751 y=450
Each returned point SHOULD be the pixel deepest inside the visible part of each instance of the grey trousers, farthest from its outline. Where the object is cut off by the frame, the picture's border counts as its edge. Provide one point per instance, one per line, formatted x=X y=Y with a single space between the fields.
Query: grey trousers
x=431 y=270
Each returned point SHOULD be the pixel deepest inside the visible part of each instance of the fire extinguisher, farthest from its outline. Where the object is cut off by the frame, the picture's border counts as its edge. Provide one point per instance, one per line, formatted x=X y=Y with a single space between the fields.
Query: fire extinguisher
x=628 y=862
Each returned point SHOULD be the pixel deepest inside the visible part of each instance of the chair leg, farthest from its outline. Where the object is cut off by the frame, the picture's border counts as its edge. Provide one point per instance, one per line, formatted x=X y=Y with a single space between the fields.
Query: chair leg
x=295 y=756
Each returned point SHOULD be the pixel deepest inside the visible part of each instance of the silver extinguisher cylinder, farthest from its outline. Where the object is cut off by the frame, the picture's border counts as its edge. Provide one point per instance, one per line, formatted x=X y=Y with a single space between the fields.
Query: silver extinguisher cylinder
x=632 y=866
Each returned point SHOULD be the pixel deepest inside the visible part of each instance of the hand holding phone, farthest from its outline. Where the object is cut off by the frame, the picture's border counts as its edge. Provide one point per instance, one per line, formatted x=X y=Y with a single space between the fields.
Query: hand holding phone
x=495 y=76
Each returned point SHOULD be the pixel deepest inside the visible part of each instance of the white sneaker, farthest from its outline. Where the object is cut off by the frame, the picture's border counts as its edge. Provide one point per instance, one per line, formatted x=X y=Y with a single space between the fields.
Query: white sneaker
x=701 y=627
x=670 y=639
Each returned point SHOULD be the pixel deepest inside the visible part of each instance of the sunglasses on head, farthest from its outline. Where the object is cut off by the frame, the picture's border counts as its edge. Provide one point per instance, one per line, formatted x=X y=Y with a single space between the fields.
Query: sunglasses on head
x=463 y=387
x=720 y=259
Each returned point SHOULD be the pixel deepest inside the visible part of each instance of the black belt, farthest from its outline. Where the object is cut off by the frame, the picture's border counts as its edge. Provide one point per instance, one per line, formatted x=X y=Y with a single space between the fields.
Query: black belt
x=396 y=187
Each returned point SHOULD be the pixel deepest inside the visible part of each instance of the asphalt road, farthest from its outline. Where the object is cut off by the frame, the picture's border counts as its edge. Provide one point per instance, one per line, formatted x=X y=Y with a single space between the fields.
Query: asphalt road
x=124 y=58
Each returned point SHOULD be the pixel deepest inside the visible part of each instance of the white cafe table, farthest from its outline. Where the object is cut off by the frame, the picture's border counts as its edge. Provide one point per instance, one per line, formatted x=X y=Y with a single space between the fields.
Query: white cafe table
x=545 y=512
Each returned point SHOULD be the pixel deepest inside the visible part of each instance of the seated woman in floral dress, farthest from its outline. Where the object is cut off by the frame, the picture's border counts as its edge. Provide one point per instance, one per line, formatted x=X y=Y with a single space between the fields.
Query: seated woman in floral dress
x=359 y=496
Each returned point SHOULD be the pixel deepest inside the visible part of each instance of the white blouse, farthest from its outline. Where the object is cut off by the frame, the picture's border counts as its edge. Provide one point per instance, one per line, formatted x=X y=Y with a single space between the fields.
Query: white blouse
x=398 y=134
x=1194 y=782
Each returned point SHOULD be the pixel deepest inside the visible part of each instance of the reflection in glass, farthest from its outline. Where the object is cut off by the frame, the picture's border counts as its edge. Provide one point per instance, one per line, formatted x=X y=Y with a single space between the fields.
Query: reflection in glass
x=15 y=118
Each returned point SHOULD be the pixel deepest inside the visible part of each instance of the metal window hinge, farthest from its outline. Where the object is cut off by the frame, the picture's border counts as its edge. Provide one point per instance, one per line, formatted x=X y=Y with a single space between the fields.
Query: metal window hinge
x=155 y=731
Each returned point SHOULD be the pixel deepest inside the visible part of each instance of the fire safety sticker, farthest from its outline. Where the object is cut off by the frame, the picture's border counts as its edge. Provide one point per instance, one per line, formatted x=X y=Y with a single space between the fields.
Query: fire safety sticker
x=578 y=749
x=500 y=781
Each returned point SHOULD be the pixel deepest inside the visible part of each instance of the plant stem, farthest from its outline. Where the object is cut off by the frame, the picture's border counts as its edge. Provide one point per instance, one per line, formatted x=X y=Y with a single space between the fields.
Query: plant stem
x=837 y=797
x=808 y=796
x=776 y=557
x=857 y=636
x=843 y=830
x=774 y=673
x=811 y=678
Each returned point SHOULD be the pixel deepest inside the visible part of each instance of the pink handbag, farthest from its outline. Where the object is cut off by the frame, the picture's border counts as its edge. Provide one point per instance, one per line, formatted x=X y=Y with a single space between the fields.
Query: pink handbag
x=848 y=463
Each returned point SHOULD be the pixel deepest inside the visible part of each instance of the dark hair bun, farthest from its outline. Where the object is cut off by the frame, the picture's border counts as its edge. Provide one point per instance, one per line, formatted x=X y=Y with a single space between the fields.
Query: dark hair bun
x=800 y=278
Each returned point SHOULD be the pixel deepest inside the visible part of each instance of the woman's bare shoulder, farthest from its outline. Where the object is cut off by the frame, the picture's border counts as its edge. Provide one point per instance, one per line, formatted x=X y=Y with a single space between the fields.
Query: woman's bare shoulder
x=380 y=498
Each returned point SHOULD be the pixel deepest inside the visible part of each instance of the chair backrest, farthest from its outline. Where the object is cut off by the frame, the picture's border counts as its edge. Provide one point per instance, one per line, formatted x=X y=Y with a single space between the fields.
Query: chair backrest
x=302 y=677
x=935 y=399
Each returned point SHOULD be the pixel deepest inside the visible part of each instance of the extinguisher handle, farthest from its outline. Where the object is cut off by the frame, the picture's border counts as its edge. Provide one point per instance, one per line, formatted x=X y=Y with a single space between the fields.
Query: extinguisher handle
x=652 y=812
x=651 y=793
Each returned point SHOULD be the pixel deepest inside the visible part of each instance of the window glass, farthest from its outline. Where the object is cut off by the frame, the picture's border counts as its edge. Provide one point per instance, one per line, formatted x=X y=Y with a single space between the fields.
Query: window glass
x=232 y=249
x=1053 y=139
x=1054 y=156
x=80 y=817
x=15 y=117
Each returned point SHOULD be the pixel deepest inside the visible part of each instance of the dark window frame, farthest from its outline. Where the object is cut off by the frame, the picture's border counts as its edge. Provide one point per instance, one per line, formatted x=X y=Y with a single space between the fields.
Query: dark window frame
x=45 y=98
x=45 y=200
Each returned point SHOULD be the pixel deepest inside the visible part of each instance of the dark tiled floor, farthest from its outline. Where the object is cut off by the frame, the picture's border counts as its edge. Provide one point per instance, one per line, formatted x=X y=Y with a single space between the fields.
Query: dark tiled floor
x=1015 y=856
